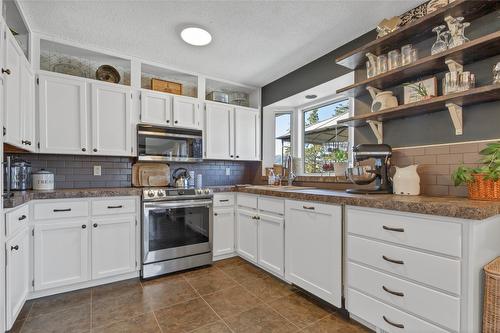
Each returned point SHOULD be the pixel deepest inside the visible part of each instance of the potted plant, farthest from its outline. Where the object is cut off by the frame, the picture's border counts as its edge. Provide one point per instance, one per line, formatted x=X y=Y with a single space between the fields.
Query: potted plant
x=340 y=162
x=483 y=183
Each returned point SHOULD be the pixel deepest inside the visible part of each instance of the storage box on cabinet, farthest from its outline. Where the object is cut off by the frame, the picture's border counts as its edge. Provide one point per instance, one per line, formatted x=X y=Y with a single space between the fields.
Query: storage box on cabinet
x=419 y=232
x=16 y=219
x=313 y=248
x=386 y=317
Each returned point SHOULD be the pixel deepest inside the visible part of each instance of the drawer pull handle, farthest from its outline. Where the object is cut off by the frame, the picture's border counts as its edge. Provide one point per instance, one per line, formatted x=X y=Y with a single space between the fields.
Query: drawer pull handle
x=62 y=210
x=399 y=262
x=308 y=207
x=393 y=229
x=224 y=200
x=114 y=207
x=397 y=293
x=393 y=324
x=22 y=217
x=16 y=247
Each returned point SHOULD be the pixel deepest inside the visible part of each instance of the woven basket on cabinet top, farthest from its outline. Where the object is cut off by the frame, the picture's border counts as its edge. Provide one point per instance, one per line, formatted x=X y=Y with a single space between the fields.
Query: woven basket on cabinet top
x=491 y=308
x=484 y=189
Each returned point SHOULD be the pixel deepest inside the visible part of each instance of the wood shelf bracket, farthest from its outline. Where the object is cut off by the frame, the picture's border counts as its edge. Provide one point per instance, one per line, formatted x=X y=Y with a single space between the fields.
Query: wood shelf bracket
x=377 y=129
x=456 y=117
x=454 y=66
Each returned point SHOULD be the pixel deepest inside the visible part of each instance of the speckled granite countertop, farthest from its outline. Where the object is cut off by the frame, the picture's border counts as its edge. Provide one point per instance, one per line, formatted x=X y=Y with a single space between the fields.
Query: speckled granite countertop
x=439 y=206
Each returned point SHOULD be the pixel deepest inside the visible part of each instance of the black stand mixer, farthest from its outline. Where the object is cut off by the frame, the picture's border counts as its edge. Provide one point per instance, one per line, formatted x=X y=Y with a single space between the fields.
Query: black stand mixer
x=381 y=153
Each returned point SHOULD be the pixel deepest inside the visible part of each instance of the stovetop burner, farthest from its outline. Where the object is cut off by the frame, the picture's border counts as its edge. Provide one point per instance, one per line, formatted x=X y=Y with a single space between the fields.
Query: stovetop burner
x=172 y=193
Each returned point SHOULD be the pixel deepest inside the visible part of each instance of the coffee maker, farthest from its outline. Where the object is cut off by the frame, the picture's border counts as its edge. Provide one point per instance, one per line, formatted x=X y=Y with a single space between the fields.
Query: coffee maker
x=379 y=173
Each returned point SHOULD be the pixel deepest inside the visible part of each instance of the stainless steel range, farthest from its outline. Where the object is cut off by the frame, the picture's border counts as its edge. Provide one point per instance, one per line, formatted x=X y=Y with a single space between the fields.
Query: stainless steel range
x=176 y=230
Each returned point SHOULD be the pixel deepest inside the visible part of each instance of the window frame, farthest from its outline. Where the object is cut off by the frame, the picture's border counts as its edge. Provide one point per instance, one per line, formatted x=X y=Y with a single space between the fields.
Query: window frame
x=292 y=139
x=301 y=129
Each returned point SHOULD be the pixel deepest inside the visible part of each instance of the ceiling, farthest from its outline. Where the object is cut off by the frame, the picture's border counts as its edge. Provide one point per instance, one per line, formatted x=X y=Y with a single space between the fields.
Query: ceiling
x=254 y=42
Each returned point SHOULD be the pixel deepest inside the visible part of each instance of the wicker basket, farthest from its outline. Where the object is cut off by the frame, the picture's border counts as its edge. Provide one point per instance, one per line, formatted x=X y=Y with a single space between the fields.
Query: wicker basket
x=484 y=189
x=491 y=308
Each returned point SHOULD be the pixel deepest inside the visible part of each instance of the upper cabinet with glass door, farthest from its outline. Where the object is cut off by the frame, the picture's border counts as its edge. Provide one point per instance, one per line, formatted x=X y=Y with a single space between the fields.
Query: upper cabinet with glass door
x=169 y=98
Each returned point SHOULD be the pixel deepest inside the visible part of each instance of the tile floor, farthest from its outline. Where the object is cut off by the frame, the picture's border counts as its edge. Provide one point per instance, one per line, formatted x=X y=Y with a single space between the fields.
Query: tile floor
x=230 y=296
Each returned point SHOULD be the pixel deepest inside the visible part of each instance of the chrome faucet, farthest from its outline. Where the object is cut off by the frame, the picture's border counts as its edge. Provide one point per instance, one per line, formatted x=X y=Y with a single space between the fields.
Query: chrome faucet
x=289 y=167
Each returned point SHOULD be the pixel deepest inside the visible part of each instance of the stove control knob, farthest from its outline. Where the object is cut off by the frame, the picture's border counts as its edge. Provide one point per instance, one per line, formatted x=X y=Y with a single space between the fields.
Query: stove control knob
x=207 y=191
x=151 y=194
x=161 y=193
x=199 y=191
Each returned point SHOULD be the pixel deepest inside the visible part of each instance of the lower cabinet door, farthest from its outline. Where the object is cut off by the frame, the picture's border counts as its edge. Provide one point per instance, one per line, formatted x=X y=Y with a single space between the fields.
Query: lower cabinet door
x=61 y=253
x=223 y=231
x=271 y=243
x=313 y=248
x=113 y=246
x=246 y=233
x=17 y=274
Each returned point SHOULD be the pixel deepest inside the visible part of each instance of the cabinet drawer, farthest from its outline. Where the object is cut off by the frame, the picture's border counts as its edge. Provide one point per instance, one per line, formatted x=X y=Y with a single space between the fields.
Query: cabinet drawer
x=427 y=234
x=386 y=317
x=15 y=219
x=426 y=268
x=223 y=199
x=430 y=304
x=312 y=207
x=247 y=200
x=60 y=209
x=271 y=205
x=113 y=206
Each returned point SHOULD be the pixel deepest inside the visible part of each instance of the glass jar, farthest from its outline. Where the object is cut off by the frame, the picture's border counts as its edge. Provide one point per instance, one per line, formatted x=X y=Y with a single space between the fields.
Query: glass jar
x=406 y=54
x=496 y=73
x=394 y=59
x=370 y=70
x=381 y=64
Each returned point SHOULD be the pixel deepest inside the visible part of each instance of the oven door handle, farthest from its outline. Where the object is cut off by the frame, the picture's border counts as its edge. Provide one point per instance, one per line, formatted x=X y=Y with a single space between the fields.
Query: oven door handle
x=178 y=204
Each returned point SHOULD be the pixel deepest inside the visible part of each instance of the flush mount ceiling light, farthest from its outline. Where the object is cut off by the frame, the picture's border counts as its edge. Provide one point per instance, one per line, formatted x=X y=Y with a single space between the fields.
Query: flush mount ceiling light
x=311 y=96
x=196 y=36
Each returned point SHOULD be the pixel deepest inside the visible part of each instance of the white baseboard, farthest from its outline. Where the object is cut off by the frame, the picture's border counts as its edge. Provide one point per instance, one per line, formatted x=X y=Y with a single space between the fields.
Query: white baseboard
x=224 y=256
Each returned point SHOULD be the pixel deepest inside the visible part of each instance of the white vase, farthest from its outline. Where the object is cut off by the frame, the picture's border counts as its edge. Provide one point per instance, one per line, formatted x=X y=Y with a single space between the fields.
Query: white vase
x=406 y=181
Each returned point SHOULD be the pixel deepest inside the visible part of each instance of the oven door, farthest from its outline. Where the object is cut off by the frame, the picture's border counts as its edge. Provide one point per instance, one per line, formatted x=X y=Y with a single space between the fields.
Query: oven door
x=176 y=229
x=169 y=145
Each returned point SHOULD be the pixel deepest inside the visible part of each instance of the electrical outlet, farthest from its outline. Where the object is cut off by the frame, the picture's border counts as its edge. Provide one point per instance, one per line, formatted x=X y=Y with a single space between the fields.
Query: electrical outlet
x=97 y=170
x=228 y=171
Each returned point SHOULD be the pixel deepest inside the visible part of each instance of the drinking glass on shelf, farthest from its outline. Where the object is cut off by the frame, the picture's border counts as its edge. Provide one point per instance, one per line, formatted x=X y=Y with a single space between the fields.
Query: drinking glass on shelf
x=440 y=44
x=381 y=64
x=455 y=25
x=465 y=81
x=496 y=73
x=413 y=55
x=370 y=70
x=406 y=54
x=394 y=59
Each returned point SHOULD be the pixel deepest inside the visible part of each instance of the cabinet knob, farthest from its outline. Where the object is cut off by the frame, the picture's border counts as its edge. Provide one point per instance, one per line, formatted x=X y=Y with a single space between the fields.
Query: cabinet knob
x=95 y=150
x=232 y=156
x=16 y=247
x=22 y=217
x=6 y=71
x=29 y=143
x=84 y=149
x=24 y=142
x=168 y=121
x=237 y=156
x=175 y=122
x=95 y=225
x=215 y=214
x=84 y=226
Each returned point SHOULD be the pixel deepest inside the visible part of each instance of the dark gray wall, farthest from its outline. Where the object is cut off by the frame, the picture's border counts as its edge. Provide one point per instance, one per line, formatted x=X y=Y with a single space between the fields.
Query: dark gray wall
x=480 y=121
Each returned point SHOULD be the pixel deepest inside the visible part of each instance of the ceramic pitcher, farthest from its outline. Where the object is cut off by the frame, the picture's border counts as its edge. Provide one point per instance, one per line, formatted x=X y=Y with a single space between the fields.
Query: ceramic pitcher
x=406 y=181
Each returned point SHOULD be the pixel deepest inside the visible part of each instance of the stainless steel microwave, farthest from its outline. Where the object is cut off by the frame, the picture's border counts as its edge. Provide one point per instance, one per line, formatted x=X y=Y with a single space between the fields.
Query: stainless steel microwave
x=156 y=143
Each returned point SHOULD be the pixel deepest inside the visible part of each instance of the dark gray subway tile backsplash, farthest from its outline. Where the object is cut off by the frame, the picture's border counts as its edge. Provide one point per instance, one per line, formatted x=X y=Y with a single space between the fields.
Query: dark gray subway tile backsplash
x=77 y=171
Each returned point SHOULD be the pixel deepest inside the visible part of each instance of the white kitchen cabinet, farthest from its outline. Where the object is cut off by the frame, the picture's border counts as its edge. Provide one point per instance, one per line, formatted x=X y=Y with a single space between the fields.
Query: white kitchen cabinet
x=186 y=112
x=246 y=234
x=271 y=240
x=223 y=231
x=113 y=246
x=61 y=249
x=111 y=119
x=313 y=248
x=12 y=94
x=27 y=104
x=219 y=131
x=246 y=134
x=17 y=274
x=232 y=133
x=63 y=112
x=156 y=108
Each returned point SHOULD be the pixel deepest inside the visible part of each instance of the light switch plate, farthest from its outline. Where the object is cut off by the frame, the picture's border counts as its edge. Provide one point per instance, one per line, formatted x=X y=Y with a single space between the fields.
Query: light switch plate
x=97 y=170
x=228 y=171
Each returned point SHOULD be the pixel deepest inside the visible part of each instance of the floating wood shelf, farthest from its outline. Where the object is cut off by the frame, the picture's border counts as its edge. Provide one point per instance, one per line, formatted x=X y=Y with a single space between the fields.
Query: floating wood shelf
x=473 y=96
x=475 y=50
x=418 y=30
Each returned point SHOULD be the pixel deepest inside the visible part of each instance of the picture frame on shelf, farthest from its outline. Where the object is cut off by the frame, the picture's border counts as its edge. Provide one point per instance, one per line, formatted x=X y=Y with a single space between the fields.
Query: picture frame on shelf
x=420 y=90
